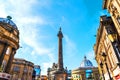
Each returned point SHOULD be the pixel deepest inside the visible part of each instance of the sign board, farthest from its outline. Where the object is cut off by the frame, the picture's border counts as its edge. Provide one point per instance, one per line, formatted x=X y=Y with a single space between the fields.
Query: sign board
x=5 y=76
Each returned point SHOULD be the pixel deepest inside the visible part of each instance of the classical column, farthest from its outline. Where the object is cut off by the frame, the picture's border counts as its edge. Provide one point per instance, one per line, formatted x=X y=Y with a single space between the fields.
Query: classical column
x=3 y=53
x=60 y=55
x=104 y=55
x=9 y=64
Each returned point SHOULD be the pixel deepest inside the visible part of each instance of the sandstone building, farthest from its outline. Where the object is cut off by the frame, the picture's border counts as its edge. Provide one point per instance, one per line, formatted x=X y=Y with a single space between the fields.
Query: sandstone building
x=86 y=71
x=9 y=43
x=113 y=7
x=21 y=69
x=107 y=49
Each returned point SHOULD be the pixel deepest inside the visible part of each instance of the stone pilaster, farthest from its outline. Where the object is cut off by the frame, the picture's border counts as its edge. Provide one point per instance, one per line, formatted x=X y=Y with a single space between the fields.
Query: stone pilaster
x=9 y=64
x=3 y=53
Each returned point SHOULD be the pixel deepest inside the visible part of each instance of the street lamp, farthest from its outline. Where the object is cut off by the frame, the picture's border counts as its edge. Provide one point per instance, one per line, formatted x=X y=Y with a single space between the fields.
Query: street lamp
x=101 y=65
x=104 y=55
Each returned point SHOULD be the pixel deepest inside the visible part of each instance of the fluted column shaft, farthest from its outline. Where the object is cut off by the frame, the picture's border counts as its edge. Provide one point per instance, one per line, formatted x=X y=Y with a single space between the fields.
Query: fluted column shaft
x=3 y=53
x=9 y=64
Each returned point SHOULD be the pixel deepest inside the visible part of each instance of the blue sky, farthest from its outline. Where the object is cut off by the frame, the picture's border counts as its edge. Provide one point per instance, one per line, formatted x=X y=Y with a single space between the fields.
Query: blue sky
x=39 y=21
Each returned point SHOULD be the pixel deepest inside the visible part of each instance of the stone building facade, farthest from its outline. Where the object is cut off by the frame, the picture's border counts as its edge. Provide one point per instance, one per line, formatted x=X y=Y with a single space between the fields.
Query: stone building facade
x=107 y=49
x=86 y=71
x=108 y=41
x=21 y=69
x=113 y=7
x=9 y=43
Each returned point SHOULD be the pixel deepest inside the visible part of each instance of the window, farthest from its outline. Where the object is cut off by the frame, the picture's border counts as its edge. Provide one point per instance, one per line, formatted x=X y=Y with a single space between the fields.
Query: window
x=97 y=76
x=89 y=74
x=25 y=70
x=82 y=75
x=1 y=48
x=3 y=65
x=118 y=19
x=112 y=58
x=16 y=68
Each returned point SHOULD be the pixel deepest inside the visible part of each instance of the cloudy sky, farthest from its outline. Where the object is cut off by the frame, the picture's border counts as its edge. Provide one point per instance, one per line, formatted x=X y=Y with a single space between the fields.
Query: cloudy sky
x=39 y=21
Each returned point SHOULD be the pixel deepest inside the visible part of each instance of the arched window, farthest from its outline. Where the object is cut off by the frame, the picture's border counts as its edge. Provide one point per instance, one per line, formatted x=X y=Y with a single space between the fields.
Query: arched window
x=4 y=65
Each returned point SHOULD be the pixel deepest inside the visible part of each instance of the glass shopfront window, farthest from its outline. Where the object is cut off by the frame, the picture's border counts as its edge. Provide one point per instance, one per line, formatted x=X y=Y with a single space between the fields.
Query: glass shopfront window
x=89 y=75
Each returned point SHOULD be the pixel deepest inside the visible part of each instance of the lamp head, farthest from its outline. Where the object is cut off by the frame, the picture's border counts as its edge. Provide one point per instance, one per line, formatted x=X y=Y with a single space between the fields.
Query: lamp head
x=101 y=65
x=104 y=55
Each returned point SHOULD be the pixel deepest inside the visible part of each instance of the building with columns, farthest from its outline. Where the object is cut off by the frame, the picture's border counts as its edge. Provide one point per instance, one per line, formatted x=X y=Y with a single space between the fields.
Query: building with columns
x=107 y=49
x=113 y=7
x=9 y=43
x=57 y=72
x=21 y=69
x=86 y=71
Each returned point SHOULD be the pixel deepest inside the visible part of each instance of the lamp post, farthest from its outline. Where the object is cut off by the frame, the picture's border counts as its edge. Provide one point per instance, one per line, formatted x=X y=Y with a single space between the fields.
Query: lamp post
x=104 y=55
x=101 y=65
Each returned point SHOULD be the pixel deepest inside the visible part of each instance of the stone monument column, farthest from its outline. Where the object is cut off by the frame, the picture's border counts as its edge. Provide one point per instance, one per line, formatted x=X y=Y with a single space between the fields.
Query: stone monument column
x=60 y=54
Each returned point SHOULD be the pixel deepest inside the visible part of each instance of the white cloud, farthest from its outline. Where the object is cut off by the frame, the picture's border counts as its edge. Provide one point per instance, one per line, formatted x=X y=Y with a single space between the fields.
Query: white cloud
x=26 y=22
x=11 y=7
x=91 y=56
x=45 y=66
x=2 y=11
x=70 y=46
x=30 y=20
x=31 y=38
x=30 y=35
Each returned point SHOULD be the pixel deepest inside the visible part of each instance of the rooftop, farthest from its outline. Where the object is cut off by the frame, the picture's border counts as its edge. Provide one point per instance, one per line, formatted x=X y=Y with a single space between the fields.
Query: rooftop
x=8 y=21
x=86 y=63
